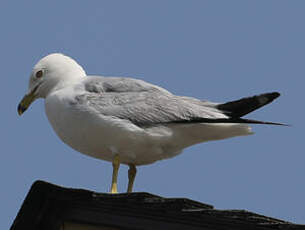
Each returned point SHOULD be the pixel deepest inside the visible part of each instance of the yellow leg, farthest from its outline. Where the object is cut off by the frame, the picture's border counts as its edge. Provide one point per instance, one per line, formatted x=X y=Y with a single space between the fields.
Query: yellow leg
x=131 y=176
x=115 y=165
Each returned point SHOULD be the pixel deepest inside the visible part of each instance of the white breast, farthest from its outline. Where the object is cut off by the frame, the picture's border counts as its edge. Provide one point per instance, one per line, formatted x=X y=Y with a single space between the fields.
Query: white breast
x=103 y=137
x=91 y=133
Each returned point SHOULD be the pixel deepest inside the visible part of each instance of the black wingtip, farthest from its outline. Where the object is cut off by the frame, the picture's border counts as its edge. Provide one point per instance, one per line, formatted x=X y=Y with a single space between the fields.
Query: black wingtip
x=250 y=121
x=277 y=94
x=272 y=95
x=241 y=107
x=228 y=120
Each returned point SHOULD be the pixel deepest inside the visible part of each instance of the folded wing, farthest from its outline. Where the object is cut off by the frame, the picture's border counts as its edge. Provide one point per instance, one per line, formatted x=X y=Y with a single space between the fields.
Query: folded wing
x=142 y=103
x=145 y=104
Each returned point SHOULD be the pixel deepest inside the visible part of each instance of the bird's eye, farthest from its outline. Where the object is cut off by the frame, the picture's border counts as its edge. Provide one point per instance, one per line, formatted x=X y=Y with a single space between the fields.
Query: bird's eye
x=39 y=74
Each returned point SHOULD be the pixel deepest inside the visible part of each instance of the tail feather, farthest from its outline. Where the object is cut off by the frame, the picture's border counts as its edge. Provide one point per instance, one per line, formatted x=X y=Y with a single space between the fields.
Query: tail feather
x=239 y=108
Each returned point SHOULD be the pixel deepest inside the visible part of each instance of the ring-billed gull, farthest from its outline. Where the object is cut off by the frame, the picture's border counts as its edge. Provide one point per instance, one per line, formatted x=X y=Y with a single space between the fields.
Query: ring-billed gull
x=129 y=121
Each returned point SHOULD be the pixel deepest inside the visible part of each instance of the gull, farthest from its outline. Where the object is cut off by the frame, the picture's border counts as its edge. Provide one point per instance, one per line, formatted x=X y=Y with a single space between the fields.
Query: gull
x=129 y=121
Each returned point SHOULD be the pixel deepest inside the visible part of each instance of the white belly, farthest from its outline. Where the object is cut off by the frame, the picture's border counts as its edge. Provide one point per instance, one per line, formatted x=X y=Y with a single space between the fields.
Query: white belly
x=104 y=137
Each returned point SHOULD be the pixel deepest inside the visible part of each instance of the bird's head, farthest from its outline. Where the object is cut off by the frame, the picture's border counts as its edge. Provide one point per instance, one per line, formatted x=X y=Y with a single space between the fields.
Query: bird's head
x=50 y=73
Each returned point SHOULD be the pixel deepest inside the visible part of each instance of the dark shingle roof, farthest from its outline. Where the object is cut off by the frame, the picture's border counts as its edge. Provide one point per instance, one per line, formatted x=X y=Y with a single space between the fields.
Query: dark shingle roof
x=47 y=206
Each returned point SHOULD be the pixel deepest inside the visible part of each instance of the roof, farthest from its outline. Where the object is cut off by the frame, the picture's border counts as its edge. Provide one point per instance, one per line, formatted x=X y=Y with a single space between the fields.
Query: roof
x=47 y=206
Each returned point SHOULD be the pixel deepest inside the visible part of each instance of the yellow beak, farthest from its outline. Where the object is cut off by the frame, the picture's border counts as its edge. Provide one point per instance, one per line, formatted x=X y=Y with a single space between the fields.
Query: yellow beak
x=27 y=101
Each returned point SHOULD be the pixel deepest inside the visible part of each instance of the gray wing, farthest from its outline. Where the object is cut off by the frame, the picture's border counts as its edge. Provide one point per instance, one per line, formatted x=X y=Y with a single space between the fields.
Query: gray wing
x=98 y=84
x=142 y=103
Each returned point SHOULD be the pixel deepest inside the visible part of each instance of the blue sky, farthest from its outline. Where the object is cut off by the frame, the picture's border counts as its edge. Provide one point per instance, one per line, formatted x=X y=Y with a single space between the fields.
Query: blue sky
x=216 y=50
